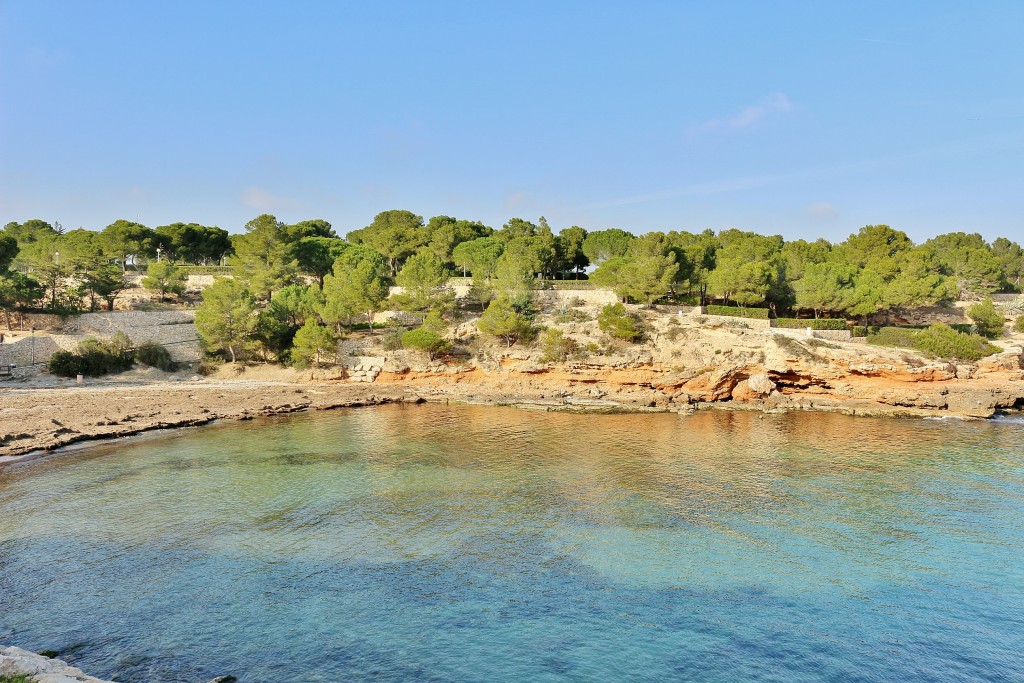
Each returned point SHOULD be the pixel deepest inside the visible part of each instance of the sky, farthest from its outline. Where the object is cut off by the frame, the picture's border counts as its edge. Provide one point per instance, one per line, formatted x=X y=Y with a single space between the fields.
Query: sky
x=806 y=119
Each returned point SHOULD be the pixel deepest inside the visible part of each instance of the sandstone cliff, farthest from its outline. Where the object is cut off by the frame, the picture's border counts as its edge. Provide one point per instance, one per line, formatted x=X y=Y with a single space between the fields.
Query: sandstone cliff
x=688 y=363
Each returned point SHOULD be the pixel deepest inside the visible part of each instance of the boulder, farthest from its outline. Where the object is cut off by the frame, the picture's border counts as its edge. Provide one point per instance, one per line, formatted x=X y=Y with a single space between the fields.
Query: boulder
x=761 y=384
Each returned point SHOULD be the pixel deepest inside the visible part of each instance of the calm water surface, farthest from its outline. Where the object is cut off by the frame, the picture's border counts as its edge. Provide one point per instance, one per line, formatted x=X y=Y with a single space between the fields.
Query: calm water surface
x=487 y=544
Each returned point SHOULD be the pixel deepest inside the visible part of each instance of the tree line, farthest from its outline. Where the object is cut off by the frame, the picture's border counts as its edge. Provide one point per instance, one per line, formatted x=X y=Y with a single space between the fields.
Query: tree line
x=294 y=274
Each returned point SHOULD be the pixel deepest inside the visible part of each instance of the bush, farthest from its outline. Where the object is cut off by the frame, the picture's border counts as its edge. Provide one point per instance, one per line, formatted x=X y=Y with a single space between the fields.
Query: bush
x=1018 y=324
x=572 y=315
x=939 y=340
x=427 y=341
x=557 y=347
x=737 y=312
x=155 y=356
x=987 y=319
x=620 y=323
x=17 y=678
x=813 y=323
x=894 y=336
x=93 y=358
x=392 y=339
x=864 y=331
x=65 y=364
x=945 y=342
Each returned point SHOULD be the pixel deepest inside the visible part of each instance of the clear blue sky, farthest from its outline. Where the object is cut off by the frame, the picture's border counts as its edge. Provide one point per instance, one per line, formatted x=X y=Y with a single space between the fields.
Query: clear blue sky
x=803 y=119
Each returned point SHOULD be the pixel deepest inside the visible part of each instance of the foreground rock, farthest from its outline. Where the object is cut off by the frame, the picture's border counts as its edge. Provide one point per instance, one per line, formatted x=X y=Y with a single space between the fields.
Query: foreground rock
x=14 y=660
x=41 y=419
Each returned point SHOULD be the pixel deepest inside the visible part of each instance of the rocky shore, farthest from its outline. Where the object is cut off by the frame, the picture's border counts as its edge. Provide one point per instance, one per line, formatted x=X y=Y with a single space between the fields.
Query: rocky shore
x=756 y=373
x=42 y=669
x=14 y=661
x=39 y=419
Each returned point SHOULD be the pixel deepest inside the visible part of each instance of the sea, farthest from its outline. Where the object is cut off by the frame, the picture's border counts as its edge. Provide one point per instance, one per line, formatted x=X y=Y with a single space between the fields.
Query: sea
x=472 y=543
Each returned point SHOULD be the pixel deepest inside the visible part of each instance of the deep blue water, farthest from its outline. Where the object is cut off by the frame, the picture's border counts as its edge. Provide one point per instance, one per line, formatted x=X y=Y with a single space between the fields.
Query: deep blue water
x=488 y=544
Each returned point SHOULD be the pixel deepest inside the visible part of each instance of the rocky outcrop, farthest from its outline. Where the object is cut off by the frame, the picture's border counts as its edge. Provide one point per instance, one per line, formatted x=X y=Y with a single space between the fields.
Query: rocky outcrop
x=42 y=669
x=689 y=366
x=14 y=660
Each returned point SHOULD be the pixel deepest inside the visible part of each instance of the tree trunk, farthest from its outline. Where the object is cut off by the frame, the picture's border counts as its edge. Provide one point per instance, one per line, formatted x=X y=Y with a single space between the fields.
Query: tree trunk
x=231 y=348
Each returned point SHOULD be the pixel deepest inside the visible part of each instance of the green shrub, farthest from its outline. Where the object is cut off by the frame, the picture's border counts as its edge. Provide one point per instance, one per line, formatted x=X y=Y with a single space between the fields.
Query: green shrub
x=813 y=323
x=862 y=331
x=737 y=312
x=939 y=340
x=557 y=347
x=1018 y=324
x=894 y=336
x=65 y=364
x=945 y=342
x=427 y=341
x=155 y=356
x=16 y=678
x=392 y=339
x=93 y=358
x=572 y=315
x=620 y=323
x=987 y=319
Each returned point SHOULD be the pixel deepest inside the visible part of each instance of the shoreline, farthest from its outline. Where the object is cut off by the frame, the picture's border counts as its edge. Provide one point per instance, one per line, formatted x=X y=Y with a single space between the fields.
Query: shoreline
x=37 y=421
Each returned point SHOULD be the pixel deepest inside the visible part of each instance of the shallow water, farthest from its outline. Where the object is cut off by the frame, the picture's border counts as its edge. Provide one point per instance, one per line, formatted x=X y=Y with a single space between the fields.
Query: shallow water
x=482 y=544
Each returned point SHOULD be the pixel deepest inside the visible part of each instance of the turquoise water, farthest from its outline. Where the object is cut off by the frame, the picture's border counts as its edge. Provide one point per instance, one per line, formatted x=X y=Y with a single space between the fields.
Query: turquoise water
x=435 y=543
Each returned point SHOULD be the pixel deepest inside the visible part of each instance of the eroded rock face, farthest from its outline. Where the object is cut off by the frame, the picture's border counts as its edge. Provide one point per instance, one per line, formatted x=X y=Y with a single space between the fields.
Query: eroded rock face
x=700 y=366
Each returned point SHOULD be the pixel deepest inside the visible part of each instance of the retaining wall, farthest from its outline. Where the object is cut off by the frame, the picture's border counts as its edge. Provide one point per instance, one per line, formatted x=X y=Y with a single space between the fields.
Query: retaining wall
x=175 y=330
x=593 y=297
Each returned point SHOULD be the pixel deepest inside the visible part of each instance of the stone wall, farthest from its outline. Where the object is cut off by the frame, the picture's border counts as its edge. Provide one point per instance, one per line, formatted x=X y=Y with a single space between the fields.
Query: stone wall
x=360 y=366
x=833 y=335
x=36 y=348
x=592 y=297
x=175 y=330
x=830 y=335
x=195 y=282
